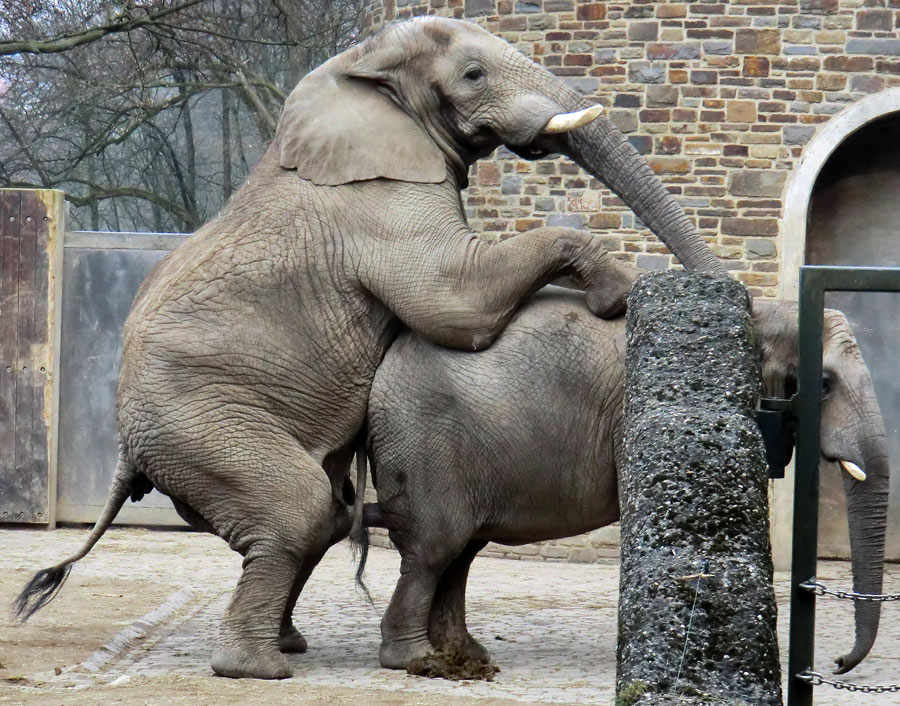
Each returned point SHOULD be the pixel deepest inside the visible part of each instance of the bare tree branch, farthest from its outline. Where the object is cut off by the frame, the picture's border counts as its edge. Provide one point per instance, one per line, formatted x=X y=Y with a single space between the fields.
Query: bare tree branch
x=122 y=22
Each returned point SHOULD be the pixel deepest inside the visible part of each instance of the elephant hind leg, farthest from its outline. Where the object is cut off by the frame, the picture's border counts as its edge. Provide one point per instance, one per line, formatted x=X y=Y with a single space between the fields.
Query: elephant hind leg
x=290 y=639
x=282 y=523
x=447 y=621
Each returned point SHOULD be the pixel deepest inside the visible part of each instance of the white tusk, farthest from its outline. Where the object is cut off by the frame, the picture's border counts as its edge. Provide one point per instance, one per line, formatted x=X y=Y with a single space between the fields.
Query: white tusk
x=566 y=122
x=853 y=470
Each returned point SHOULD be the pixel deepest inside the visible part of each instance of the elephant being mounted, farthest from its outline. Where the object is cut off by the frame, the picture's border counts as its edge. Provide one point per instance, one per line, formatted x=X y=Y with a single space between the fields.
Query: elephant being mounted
x=250 y=350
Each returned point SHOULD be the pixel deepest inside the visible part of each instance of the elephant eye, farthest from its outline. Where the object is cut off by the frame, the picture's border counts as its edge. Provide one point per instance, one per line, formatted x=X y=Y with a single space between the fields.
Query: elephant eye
x=476 y=73
x=827 y=385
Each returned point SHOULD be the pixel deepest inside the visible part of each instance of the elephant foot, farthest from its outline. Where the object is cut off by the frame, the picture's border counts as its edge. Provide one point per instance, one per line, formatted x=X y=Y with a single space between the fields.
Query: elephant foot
x=241 y=663
x=398 y=655
x=291 y=641
x=469 y=647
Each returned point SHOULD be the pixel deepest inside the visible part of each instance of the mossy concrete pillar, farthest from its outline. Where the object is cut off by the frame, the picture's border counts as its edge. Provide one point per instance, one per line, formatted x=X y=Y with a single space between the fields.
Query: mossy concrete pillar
x=696 y=608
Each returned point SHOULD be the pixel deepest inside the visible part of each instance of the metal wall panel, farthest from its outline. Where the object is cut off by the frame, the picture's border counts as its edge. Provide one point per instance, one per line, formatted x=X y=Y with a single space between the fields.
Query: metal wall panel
x=102 y=274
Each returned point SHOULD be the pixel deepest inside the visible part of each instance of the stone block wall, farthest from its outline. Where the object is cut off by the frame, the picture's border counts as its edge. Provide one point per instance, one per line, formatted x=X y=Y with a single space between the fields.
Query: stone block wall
x=721 y=98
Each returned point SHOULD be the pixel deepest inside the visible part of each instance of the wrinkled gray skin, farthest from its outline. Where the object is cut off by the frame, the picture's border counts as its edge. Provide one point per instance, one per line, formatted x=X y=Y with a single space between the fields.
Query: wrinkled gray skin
x=522 y=443
x=250 y=350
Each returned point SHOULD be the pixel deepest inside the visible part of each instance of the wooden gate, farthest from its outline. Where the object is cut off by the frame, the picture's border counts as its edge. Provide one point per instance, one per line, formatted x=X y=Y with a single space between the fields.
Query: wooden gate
x=31 y=223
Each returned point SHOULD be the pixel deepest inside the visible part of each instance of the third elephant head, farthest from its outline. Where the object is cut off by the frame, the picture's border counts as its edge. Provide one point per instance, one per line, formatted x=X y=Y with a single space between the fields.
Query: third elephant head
x=852 y=440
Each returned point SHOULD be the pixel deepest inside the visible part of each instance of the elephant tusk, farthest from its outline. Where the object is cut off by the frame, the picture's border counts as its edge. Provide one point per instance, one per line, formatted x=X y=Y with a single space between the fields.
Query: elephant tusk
x=566 y=122
x=853 y=470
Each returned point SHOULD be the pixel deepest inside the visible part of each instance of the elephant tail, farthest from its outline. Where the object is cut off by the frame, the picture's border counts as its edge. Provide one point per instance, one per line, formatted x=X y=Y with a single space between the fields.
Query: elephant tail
x=359 y=534
x=46 y=583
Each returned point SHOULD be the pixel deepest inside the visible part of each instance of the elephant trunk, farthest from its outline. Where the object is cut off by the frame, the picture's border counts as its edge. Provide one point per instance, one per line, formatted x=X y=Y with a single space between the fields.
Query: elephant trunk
x=867 y=506
x=601 y=149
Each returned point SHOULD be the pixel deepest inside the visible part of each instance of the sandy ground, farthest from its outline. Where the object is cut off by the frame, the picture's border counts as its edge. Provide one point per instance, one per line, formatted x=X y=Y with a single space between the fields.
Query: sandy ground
x=136 y=624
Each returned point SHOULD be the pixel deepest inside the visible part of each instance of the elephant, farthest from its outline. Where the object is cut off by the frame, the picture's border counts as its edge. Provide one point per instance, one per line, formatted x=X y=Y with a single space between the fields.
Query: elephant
x=249 y=352
x=523 y=442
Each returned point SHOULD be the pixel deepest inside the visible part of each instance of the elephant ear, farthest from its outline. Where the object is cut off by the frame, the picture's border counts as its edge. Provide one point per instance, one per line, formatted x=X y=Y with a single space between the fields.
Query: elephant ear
x=338 y=128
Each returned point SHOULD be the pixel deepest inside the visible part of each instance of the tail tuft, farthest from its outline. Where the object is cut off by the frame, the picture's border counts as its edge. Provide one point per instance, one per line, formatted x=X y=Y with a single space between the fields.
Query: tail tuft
x=42 y=589
x=360 y=545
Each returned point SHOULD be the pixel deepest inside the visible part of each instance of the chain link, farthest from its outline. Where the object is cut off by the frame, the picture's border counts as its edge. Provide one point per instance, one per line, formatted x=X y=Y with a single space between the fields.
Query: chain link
x=815 y=679
x=821 y=589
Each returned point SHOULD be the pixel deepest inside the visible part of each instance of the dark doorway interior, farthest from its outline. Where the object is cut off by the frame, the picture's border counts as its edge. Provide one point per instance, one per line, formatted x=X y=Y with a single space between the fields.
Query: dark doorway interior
x=854 y=219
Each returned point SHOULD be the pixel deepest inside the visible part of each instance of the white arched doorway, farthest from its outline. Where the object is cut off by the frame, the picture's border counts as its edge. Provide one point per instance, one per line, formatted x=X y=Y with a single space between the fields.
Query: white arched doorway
x=842 y=207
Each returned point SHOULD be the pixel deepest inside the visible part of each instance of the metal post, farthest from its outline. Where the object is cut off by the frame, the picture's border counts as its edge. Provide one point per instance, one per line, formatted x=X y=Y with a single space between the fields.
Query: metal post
x=806 y=487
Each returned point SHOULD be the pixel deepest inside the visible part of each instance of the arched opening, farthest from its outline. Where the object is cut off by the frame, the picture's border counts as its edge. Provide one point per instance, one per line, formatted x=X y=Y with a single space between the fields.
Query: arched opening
x=853 y=218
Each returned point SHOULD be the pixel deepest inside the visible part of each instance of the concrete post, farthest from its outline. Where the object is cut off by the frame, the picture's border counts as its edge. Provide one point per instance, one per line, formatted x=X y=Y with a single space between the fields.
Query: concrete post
x=696 y=608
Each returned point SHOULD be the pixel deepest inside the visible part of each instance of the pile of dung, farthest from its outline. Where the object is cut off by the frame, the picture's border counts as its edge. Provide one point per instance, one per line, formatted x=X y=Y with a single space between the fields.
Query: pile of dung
x=451 y=663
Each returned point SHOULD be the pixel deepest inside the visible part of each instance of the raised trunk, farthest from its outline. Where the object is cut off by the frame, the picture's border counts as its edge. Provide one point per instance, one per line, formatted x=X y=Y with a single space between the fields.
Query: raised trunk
x=603 y=151
x=867 y=506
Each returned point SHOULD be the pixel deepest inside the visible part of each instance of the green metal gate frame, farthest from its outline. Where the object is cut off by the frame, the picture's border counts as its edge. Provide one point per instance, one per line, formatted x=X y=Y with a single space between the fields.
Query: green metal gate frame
x=814 y=282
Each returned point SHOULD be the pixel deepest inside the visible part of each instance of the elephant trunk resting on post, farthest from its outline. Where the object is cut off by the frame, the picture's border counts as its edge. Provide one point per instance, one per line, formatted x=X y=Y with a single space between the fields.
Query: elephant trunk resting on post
x=250 y=350
x=522 y=443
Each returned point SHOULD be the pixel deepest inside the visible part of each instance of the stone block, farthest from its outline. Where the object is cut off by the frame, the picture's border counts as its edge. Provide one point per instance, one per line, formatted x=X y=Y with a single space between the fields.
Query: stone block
x=875 y=20
x=646 y=72
x=629 y=100
x=511 y=184
x=704 y=77
x=721 y=47
x=657 y=263
x=879 y=47
x=671 y=11
x=819 y=7
x=674 y=51
x=798 y=134
x=625 y=120
x=591 y=12
x=831 y=82
x=658 y=115
x=668 y=144
x=661 y=96
x=866 y=84
x=848 y=63
x=643 y=31
x=477 y=8
x=669 y=165
x=759 y=248
x=526 y=7
x=488 y=174
x=750 y=226
x=755 y=66
x=757 y=41
x=757 y=182
x=567 y=220
x=642 y=143
x=606 y=221
x=740 y=112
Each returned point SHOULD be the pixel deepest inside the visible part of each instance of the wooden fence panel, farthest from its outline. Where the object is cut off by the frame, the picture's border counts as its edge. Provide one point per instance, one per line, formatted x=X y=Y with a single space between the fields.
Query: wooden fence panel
x=30 y=249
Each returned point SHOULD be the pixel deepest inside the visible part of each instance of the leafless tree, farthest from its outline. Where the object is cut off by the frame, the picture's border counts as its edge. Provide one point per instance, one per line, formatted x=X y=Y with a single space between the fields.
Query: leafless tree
x=148 y=114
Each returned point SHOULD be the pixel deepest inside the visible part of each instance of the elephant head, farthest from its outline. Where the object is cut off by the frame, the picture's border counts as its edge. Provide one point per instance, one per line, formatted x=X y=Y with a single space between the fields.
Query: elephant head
x=852 y=438
x=420 y=101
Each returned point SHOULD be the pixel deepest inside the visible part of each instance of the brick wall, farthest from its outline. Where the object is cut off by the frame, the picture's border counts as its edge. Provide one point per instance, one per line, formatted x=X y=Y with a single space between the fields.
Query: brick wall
x=720 y=97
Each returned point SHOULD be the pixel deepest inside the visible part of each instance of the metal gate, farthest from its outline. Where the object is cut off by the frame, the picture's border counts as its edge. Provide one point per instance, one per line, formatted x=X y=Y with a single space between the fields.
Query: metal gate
x=814 y=282
x=102 y=273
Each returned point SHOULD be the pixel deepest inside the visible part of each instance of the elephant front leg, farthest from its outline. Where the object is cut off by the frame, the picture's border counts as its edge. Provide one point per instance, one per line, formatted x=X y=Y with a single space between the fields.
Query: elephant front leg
x=404 y=627
x=447 y=622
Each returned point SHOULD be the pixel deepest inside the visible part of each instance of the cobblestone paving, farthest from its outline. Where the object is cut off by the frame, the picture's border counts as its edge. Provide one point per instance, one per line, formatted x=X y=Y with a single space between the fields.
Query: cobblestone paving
x=551 y=627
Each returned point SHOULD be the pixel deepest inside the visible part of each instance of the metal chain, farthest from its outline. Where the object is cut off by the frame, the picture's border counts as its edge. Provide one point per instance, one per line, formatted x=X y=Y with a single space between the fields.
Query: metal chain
x=821 y=589
x=815 y=679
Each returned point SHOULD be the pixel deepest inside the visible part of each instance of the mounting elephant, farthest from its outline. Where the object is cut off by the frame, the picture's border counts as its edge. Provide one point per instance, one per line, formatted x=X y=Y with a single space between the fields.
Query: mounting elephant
x=523 y=442
x=250 y=350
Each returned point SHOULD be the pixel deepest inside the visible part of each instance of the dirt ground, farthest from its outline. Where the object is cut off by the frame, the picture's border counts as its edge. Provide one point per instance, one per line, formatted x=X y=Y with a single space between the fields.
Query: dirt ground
x=136 y=623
